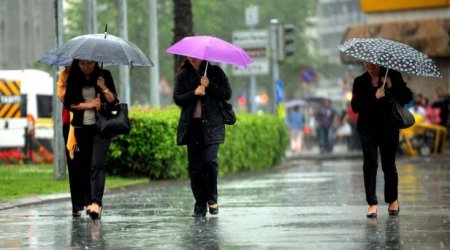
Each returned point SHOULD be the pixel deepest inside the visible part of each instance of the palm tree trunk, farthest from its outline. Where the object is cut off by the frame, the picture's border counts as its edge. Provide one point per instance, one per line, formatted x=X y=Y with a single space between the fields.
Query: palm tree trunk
x=182 y=12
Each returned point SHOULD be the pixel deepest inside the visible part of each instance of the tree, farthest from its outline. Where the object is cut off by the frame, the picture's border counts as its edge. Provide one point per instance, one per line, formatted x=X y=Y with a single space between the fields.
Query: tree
x=182 y=16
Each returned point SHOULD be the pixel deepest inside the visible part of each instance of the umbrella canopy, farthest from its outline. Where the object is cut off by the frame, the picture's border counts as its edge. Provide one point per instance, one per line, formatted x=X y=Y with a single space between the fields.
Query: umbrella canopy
x=102 y=48
x=391 y=55
x=52 y=59
x=295 y=103
x=211 y=49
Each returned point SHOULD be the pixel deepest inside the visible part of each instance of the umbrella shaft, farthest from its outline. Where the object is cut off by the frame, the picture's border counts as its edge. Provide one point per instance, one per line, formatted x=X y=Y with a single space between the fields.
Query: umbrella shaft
x=385 y=75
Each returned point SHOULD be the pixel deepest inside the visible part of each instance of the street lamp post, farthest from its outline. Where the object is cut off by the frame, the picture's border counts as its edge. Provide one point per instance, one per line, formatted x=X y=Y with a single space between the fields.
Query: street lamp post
x=274 y=58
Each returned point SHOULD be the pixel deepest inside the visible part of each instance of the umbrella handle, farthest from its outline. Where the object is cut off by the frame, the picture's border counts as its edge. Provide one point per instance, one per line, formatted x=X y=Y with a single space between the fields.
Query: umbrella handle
x=385 y=75
x=204 y=74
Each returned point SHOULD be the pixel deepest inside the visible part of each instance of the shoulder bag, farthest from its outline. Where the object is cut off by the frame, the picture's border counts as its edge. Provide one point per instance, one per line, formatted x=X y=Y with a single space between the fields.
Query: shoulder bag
x=113 y=120
x=228 y=114
x=400 y=115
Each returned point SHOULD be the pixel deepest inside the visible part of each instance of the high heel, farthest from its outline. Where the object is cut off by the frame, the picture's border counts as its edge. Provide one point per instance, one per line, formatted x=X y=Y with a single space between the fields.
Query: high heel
x=199 y=210
x=394 y=212
x=96 y=211
x=213 y=208
x=76 y=213
x=372 y=214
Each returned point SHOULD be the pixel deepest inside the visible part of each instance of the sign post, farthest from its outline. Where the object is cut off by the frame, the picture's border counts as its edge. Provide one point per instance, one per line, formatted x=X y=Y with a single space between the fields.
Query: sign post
x=255 y=43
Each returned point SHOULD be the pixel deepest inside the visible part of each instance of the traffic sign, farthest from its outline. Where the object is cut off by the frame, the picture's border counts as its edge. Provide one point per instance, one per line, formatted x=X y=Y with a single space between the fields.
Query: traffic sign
x=308 y=75
x=256 y=44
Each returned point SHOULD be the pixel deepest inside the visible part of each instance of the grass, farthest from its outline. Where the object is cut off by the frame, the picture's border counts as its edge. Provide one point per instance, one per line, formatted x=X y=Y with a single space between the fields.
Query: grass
x=21 y=181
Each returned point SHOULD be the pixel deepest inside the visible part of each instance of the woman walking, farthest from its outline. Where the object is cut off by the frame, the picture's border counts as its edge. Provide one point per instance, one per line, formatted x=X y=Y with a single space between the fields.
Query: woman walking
x=201 y=127
x=371 y=100
x=89 y=89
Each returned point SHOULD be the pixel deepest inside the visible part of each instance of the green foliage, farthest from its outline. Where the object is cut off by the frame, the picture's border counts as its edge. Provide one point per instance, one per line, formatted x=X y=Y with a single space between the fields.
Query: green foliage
x=254 y=142
x=150 y=149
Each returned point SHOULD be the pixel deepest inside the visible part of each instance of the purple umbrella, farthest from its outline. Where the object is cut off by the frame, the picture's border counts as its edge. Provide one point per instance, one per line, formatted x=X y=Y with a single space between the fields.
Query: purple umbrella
x=211 y=49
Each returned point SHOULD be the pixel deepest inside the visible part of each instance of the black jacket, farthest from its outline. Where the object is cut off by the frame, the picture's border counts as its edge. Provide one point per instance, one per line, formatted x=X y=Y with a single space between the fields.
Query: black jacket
x=374 y=114
x=218 y=90
x=74 y=95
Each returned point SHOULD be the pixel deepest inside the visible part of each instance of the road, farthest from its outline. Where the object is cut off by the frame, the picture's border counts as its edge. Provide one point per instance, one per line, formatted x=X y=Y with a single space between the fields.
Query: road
x=303 y=204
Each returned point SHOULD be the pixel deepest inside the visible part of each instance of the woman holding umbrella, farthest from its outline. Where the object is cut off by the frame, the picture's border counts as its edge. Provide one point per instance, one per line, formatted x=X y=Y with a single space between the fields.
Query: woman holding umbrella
x=198 y=91
x=371 y=100
x=88 y=89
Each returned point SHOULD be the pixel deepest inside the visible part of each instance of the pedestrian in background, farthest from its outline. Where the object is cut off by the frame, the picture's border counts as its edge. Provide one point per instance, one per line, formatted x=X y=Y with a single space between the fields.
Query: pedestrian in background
x=201 y=127
x=372 y=103
x=296 y=124
x=89 y=89
x=325 y=116
x=442 y=103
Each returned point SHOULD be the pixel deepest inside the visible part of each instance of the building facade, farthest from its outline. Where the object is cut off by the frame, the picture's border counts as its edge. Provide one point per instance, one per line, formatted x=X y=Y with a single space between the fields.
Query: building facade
x=27 y=31
x=333 y=19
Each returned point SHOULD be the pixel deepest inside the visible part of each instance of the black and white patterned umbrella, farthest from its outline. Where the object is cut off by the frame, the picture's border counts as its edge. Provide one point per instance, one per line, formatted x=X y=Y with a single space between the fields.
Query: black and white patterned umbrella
x=391 y=55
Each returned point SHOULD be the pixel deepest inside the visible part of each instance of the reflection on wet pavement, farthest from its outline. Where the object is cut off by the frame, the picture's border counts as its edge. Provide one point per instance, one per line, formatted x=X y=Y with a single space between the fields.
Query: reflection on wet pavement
x=314 y=205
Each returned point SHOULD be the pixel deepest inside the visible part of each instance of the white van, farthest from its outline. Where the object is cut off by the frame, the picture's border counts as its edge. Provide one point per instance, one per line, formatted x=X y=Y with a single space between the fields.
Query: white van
x=25 y=102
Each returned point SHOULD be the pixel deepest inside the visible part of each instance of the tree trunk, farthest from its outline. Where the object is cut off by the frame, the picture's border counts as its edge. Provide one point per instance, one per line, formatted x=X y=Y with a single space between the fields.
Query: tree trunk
x=182 y=12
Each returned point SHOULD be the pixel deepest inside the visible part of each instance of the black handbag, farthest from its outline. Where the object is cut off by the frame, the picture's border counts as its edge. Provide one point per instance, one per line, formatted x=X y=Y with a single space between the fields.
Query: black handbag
x=113 y=120
x=228 y=114
x=400 y=115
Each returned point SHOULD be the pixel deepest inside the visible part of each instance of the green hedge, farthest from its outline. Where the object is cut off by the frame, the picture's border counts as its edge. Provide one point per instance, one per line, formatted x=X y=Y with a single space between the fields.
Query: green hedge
x=254 y=142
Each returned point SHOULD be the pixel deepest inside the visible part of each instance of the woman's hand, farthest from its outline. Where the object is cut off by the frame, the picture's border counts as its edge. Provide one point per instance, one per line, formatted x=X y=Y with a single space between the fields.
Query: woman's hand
x=95 y=103
x=200 y=90
x=380 y=93
x=101 y=83
x=204 y=81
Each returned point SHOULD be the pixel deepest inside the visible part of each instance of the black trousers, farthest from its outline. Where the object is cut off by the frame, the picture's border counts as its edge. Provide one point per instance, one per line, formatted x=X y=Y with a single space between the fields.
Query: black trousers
x=387 y=144
x=203 y=167
x=79 y=192
x=92 y=155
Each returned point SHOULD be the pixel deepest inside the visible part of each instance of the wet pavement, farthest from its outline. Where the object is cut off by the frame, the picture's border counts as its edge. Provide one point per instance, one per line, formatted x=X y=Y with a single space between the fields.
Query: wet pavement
x=303 y=204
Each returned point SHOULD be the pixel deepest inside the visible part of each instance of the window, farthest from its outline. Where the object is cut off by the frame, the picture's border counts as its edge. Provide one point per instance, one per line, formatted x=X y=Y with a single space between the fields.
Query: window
x=23 y=105
x=44 y=106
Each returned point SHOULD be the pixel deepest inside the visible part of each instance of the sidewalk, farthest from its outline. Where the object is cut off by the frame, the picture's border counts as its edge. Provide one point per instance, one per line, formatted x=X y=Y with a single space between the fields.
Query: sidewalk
x=340 y=152
x=312 y=204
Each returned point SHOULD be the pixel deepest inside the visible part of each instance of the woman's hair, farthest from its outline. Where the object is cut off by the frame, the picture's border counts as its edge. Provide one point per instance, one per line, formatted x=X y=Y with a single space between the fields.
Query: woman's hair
x=187 y=65
x=77 y=76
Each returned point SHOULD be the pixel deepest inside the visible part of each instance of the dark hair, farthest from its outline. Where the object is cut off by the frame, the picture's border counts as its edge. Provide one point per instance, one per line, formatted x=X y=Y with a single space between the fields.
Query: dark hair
x=77 y=76
x=188 y=66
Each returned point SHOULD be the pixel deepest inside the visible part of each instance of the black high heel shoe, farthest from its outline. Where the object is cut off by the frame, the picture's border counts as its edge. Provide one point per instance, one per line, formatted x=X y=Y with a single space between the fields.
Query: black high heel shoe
x=76 y=213
x=213 y=208
x=199 y=209
x=394 y=212
x=372 y=215
x=96 y=211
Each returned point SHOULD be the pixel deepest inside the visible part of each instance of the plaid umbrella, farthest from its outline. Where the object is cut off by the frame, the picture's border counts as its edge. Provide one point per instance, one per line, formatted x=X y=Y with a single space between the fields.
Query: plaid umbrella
x=391 y=55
